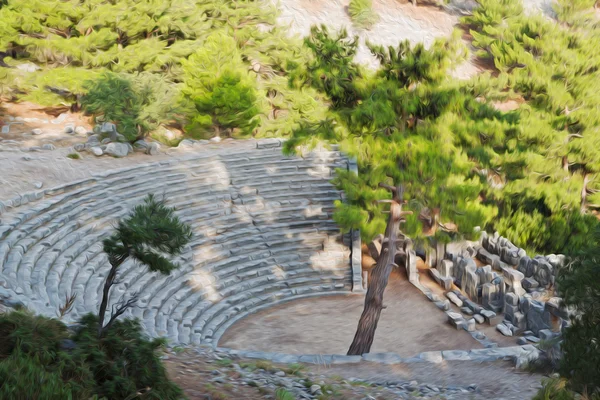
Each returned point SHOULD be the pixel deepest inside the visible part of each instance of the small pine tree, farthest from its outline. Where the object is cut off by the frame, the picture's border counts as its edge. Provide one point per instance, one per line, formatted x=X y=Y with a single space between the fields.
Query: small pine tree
x=219 y=87
x=150 y=234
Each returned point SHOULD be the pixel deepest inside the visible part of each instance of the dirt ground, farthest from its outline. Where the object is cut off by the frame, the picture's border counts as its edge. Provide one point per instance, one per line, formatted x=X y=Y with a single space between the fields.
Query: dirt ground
x=496 y=380
x=409 y=325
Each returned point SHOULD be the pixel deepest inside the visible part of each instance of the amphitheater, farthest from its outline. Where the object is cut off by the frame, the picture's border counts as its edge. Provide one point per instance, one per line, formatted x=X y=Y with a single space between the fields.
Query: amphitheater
x=263 y=234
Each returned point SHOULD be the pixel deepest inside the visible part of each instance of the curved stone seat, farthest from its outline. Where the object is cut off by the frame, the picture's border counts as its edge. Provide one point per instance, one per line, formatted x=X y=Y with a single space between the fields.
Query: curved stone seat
x=263 y=233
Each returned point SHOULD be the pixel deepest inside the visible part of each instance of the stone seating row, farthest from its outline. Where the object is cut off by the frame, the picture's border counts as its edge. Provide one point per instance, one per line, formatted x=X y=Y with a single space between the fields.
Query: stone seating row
x=263 y=235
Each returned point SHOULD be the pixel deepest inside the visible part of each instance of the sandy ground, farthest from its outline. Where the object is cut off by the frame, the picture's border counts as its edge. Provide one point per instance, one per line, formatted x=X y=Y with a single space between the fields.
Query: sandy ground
x=409 y=325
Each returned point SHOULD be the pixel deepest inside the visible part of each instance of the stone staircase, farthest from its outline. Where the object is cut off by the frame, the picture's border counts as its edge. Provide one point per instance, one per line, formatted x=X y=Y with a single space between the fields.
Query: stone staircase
x=263 y=234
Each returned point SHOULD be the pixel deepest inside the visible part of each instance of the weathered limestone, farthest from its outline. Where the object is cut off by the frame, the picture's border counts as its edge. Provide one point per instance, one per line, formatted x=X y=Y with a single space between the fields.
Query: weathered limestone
x=263 y=235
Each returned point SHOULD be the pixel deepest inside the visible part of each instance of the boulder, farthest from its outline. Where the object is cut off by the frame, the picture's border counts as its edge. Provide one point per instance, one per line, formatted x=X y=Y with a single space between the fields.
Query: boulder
x=141 y=145
x=118 y=149
x=70 y=128
x=48 y=146
x=466 y=310
x=153 y=149
x=97 y=151
x=186 y=143
x=479 y=318
x=80 y=130
x=79 y=147
x=491 y=317
x=216 y=139
x=36 y=131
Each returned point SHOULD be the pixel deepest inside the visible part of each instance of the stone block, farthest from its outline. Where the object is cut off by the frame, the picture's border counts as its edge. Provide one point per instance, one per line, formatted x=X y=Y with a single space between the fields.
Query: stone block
x=455 y=319
x=471 y=282
x=470 y=325
x=479 y=318
x=546 y=334
x=485 y=274
x=530 y=284
x=476 y=308
x=525 y=266
x=544 y=274
x=490 y=296
x=511 y=299
x=509 y=311
x=520 y=322
x=537 y=320
x=466 y=310
x=491 y=317
x=503 y=329
x=454 y=299
x=443 y=305
x=446 y=267
x=447 y=282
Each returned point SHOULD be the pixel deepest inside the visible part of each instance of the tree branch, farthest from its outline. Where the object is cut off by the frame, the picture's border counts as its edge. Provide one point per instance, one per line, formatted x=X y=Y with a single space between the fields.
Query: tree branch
x=121 y=307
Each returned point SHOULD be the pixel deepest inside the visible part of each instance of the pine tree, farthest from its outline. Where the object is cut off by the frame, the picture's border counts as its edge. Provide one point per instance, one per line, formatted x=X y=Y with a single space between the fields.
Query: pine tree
x=149 y=235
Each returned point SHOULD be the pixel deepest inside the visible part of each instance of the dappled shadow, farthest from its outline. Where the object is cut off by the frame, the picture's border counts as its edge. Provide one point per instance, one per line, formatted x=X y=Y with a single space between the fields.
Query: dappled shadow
x=262 y=234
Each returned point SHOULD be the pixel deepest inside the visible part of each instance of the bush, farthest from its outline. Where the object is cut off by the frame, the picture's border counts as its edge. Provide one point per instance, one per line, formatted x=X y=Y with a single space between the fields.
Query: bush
x=123 y=361
x=218 y=86
x=362 y=14
x=30 y=352
x=137 y=104
x=120 y=365
x=579 y=285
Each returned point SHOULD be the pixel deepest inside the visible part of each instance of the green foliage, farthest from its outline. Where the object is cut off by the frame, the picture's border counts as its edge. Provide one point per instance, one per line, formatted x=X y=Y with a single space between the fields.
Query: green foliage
x=331 y=69
x=550 y=163
x=575 y=12
x=120 y=365
x=218 y=85
x=402 y=125
x=579 y=286
x=113 y=98
x=124 y=361
x=282 y=394
x=149 y=233
x=75 y=41
x=362 y=13
x=137 y=104
x=30 y=352
x=74 y=156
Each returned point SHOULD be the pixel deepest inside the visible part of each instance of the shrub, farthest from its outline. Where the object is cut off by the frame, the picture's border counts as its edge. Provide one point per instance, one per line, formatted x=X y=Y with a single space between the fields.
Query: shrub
x=113 y=98
x=123 y=361
x=121 y=364
x=579 y=285
x=136 y=103
x=74 y=156
x=219 y=88
x=30 y=352
x=362 y=14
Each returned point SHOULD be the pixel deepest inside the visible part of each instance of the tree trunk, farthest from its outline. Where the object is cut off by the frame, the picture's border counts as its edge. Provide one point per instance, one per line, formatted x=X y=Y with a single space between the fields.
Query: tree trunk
x=586 y=179
x=363 y=339
x=110 y=279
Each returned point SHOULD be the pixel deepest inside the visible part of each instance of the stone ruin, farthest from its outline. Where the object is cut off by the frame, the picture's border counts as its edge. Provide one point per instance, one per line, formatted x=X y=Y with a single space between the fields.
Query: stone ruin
x=405 y=256
x=501 y=285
